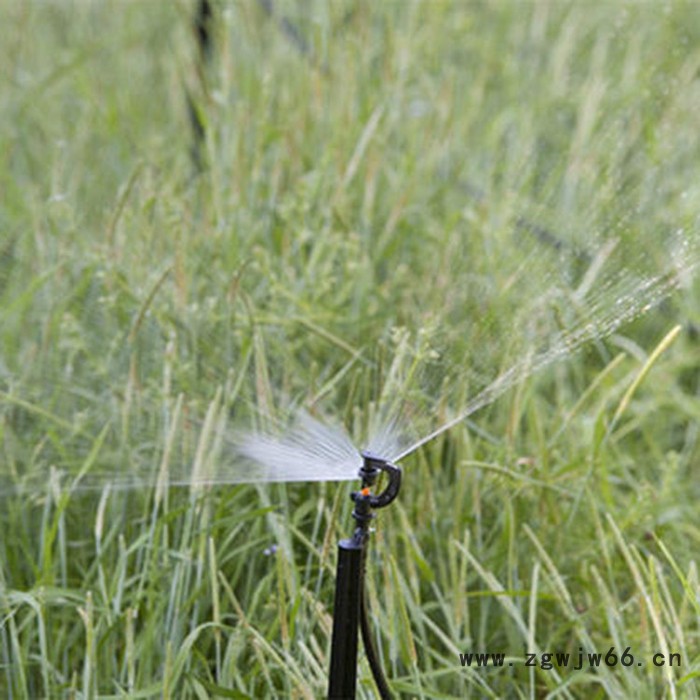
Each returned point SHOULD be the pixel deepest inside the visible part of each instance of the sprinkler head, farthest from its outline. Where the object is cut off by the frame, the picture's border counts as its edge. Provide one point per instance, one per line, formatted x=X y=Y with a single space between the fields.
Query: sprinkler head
x=369 y=472
x=372 y=466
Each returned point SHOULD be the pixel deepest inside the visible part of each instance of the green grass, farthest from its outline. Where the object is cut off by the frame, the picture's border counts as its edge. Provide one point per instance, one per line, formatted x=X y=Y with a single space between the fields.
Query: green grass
x=367 y=207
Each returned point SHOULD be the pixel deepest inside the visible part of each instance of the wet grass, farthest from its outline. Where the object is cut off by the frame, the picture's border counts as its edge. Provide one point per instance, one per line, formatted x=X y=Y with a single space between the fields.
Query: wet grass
x=381 y=187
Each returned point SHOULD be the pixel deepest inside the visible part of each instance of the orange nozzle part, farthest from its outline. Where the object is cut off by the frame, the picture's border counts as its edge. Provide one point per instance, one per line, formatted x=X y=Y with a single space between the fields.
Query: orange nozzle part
x=365 y=491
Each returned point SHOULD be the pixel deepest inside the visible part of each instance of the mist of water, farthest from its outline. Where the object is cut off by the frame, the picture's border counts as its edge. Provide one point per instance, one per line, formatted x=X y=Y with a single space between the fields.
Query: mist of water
x=615 y=303
x=313 y=452
x=310 y=450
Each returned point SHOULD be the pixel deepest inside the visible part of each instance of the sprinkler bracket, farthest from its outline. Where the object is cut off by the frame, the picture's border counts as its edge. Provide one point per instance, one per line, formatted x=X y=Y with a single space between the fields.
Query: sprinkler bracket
x=350 y=609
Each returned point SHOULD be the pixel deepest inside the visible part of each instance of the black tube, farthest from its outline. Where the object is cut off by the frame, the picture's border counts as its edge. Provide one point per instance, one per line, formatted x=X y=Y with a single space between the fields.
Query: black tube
x=346 y=617
x=371 y=651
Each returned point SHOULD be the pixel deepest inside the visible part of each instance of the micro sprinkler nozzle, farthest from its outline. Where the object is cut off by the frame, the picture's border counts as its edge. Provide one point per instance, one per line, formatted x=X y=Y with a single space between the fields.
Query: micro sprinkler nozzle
x=371 y=468
x=350 y=609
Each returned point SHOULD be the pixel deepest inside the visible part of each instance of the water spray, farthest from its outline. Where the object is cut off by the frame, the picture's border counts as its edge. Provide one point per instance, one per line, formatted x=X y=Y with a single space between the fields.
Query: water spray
x=350 y=607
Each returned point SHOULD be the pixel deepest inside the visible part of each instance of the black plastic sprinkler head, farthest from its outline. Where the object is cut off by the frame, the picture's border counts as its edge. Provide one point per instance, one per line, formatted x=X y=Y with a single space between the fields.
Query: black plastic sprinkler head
x=350 y=609
x=370 y=470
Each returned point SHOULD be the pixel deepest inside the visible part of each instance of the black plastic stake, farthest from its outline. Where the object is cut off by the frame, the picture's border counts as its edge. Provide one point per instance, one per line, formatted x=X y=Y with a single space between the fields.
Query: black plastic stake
x=346 y=620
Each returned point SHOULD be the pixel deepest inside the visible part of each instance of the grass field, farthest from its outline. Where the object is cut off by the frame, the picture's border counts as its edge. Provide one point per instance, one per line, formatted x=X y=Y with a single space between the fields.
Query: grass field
x=383 y=186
